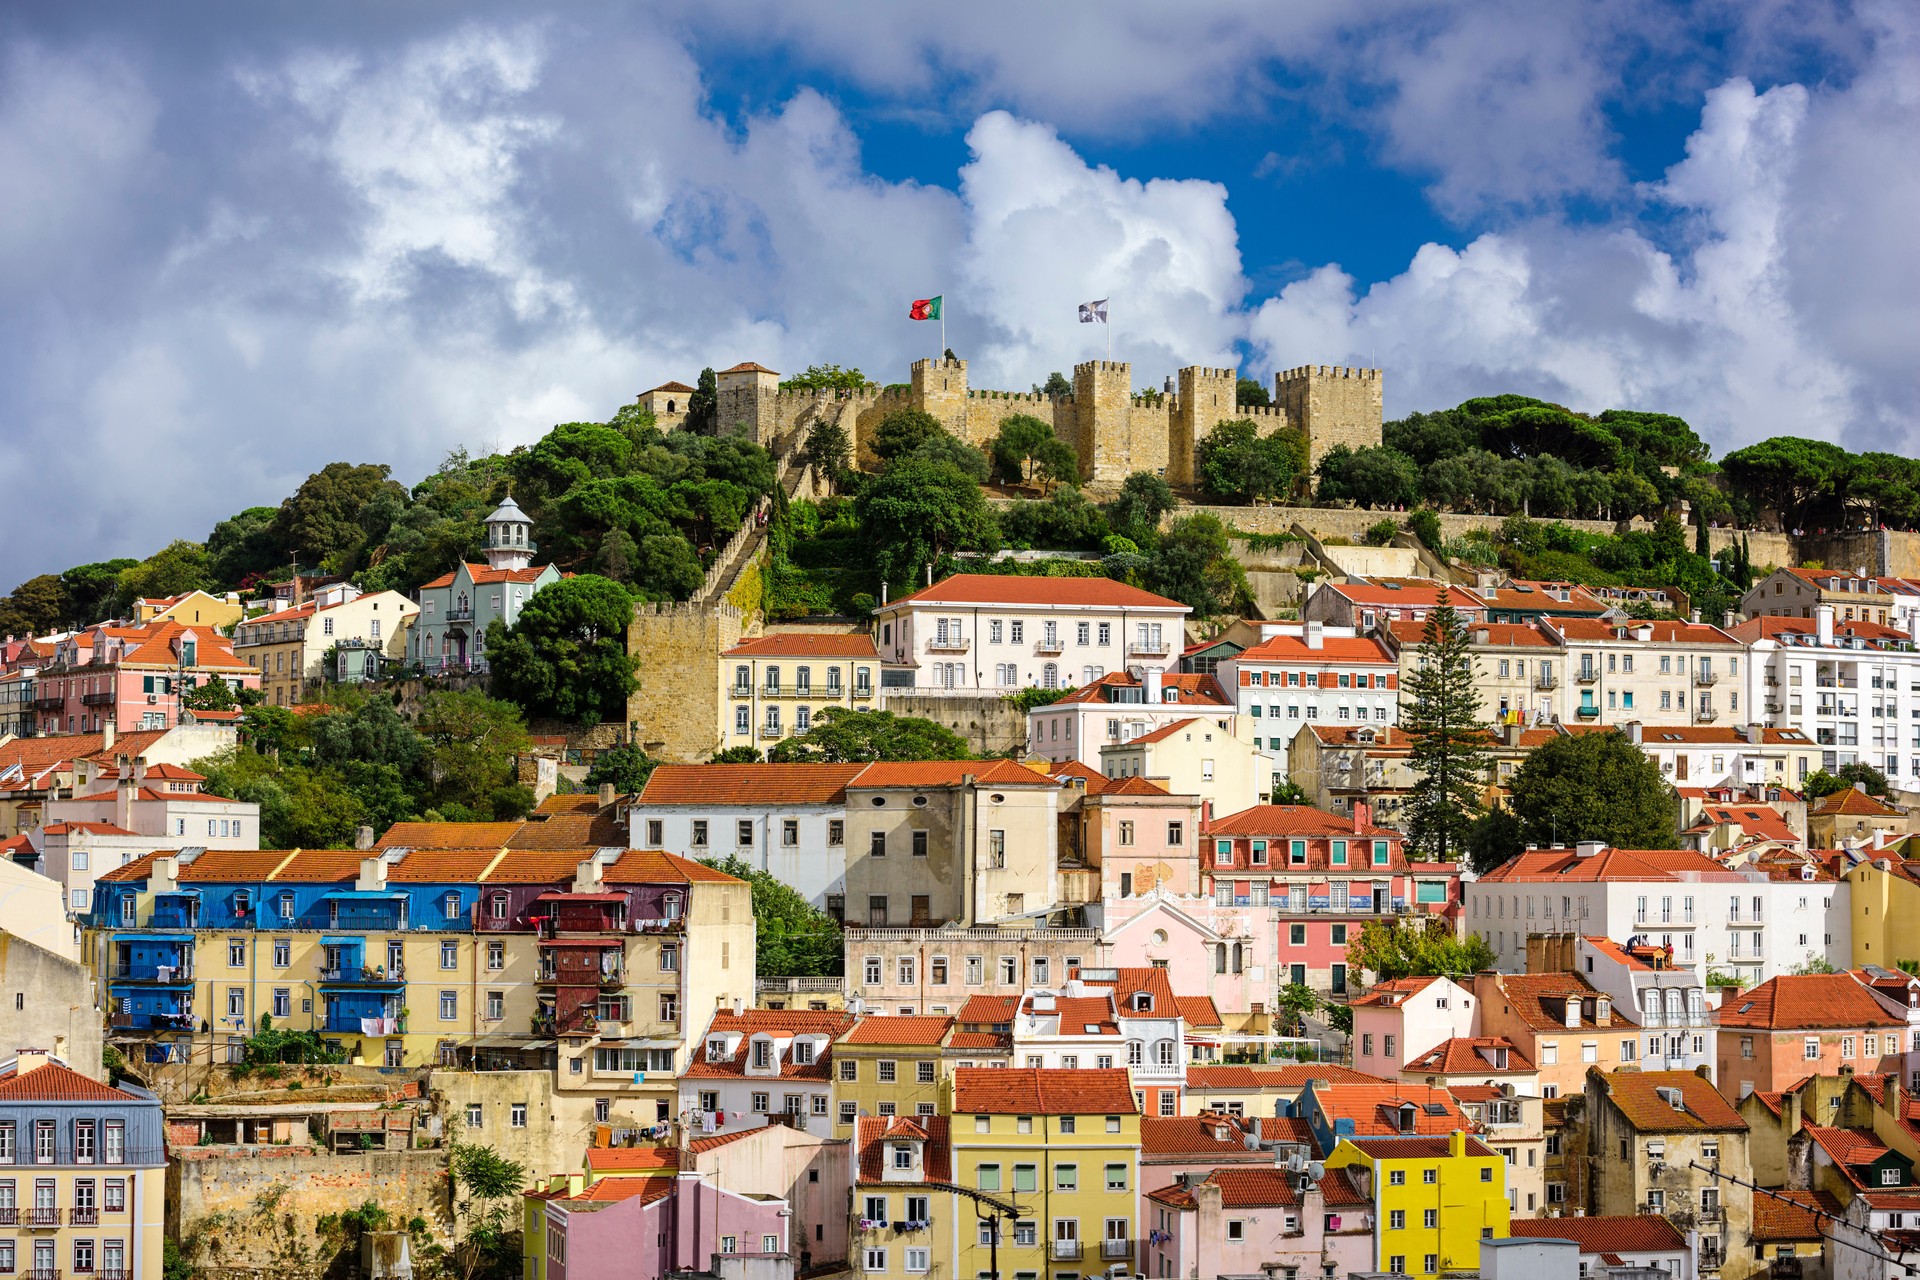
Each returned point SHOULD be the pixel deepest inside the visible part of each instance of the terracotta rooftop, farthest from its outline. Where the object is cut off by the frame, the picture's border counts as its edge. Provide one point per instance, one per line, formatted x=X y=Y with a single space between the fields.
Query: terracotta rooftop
x=1624 y=1233
x=448 y=835
x=948 y=773
x=1424 y=1146
x=599 y=830
x=1526 y=994
x=56 y=1082
x=1375 y=1109
x=632 y=1159
x=650 y=866
x=903 y=1029
x=1609 y=864
x=536 y=866
x=1465 y=1055
x=1215 y=1136
x=1393 y=992
x=441 y=866
x=1406 y=596
x=871 y=1133
x=994 y=589
x=1851 y=803
x=1297 y=649
x=807 y=644
x=1810 y=1000
x=748 y=784
x=1268 y=820
x=1027 y=1091
x=1293 y=1076
x=1188 y=690
x=1635 y=1094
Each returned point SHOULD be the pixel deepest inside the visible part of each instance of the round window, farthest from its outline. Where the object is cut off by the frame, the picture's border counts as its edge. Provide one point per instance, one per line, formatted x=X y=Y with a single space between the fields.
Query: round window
x=921 y=801
x=1159 y=937
x=878 y=801
x=997 y=798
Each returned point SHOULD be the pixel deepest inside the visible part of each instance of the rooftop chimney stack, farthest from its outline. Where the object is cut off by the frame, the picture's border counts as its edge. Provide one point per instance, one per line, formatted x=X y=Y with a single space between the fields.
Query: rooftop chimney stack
x=1823 y=625
x=1315 y=635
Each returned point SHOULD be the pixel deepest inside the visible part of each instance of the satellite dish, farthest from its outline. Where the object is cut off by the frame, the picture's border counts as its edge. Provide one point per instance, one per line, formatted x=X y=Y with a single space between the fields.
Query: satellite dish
x=1316 y=1170
x=1296 y=1163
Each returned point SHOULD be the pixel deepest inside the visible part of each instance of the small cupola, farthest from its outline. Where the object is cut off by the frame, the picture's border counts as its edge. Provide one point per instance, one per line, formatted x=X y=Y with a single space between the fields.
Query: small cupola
x=509 y=538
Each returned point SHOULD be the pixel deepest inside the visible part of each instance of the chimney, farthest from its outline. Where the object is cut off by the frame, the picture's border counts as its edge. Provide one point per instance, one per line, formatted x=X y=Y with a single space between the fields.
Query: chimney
x=1754 y=733
x=123 y=799
x=1727 y=620
x=108 y=730
x=1457 y=1144
x=1892 y=1099
x=26 y=1060
x=606 y=794
x=1632 y=729
x=739 y=1006
x=1206 y=814
x=1696 y=617
x=363 y=838
x=1153 y=683
x=1315 y=635
x=1362 y=816
x=1823 y=625
x=373 y=874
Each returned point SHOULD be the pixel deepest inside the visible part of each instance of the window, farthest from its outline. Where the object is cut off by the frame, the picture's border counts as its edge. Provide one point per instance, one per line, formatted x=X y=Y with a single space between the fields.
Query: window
x=873 y=1259
x=917 y=1259
x=920 y=844
x=1396 y=1177
x=989 y=1176
x=1066 y=1177
x=1176 y=834
x=1116 y=1177
x=888 y=1071
x=449 y=1005
x=1026 y=1177
x=1810 y=1050
x=236 y=953
x=1396 y=1219
x=115 y=1147
x=698 y=838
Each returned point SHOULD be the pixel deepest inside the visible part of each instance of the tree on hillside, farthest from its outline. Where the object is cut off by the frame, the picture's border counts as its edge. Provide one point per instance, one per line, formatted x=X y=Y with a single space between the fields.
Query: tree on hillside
x=841 y=736
x=1591 y=786
x=373 y=733
x=37 y=606
x=1143 y=501
x=1027 y=449
x=1375 y=476
x=625 y=767
x=1193 y=563
x=952 y=451
x=1409 y=950
x=915 y=513
x=179 y=566
x=1057 y=387
x=484 y=1185
x=703 y=406
x=795 y=938
x=737 y=755
x=828 y=450
x=1251 y=391
x=827 y=377
x=472 y=742
x=567 y=655
x=1794 y=477
x=1238 y=464
x=902 y=431
x=1448 y=739
x=319 y=521
x=1821 y=783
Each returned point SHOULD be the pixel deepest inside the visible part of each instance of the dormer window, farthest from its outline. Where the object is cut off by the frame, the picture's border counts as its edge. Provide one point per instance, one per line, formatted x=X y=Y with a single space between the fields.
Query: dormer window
x=903 y=1155
x=717 y=1049
x=1143 y=1001
x=450 y=906
x=802 y=1052
x=286 y=906
x=762 y=1053
x=499 y=906
x=1407 y=1117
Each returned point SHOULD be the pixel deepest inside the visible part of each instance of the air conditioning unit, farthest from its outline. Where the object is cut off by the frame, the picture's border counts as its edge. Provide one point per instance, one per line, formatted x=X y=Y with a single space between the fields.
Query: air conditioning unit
x=153 y=697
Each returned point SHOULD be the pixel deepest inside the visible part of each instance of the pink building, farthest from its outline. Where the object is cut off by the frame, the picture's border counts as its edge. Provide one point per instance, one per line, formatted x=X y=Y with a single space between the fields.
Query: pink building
x=1130 y=834
x=1174 y=1149
x=643 y=1228
x=132 y=677
x=1398 y=1021
x=1799 y=1025
x=1252 y=1222
x=1208 y=951
x=1327 y=875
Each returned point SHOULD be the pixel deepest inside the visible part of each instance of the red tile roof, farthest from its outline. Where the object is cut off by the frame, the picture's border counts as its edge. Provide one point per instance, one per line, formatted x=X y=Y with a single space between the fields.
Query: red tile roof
x=599 y=830
x=1295 y=650
x=650 y=866
x=1851 y=803
x=903 y=1029
x=1215 y=1136
x=949 y=773
x=1526 y=992
x=748 y=366
x=1807 y=1000
x=1408 y=597
x=448 y=835
x=1189 y=690
x=1625 y=1233
x=56 y=1082
x=441 y=866
x=1128 y=786
x=1789 y=1215
x=749 y=784
x=1393 y=992
x=536 y=866
x=989 y=1009
x=1199 y=1011
x=631 y=1159
x=1462 y=1055
x=1609 y=864
x=991 y=589
x=1635 y=1094
x=780 y=1023
x=1028 y=1091
x=1374 y=1108
x=1269 y=820
x=871 y=1133
x=806 y=644
x=1425 y=1146
x=1227 y=1077
x=673 y=386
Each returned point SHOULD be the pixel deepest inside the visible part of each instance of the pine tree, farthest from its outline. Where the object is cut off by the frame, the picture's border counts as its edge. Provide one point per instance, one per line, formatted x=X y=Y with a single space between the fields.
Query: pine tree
x=1449 y=743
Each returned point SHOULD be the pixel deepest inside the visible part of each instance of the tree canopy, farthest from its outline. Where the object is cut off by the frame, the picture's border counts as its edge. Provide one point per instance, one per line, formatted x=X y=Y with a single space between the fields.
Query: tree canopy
x=567 y=655
x=1589 y=786
x=1417 y=950
x=1238 y=464
x=1440 y=714
x=795 y=938
x=840 y=736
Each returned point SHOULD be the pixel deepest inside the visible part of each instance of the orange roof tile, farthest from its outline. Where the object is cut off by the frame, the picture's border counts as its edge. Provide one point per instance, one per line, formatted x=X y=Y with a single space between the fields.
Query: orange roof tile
x=1207 y=1135
x=1392 y=992
x=1557 y=865
x=1424 y=1146
x=1225 y=1077
x=631 y=1159
x=748 y=366
x=1409 y=597
x=650 y=866
x=1625 y=1233
x=806 y=644
x=1295 y=649
x=440 y=866
x=989 y=1009
x=537 y=866
x=1635 y=1094
x=1013 y=589
x=949 y=773
x=1461 y=1055
x=1374 y=1108
x=1807 y=1000
x=1290 y=820
x=1852 y=803
x=316 y=865
x=234 y=865
x=902 y=1029
x=1188 y=689
x=1790 y=1215
x=139 y=869
x=1199 y=1011
x=56 y=1082
x=448 y=835
x=571 y=831
x=779 y=1022
x=870 y=1136
x=748 y=784
x=1028 y=1091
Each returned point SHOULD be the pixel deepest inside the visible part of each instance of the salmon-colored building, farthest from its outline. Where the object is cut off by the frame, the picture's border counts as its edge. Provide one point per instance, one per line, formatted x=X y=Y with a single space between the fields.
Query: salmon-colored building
x=1798 y=1025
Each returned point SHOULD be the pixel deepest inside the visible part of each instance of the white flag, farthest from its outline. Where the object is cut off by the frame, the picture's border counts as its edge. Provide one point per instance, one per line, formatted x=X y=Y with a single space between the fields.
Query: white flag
x=1093 y=312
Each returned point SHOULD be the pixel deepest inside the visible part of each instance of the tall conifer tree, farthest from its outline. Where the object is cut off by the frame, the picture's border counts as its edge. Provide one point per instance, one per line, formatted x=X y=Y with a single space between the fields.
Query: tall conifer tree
x=1449 y=745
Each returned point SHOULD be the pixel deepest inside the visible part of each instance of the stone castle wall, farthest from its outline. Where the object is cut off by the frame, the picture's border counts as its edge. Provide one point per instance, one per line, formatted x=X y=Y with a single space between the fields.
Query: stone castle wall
x=1334 y=405
x=676 y=705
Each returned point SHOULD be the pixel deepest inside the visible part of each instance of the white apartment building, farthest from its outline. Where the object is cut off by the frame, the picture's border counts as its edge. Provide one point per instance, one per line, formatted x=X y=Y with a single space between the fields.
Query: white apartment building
x=1117 y=707
x=1726 y=755
x=1668 y=1003
x=1717 y=919
x=786 y=819
x=754 y=1064
x=1108 y=1018
x=1311 y=672
x=1853 y=688
x=979 y=631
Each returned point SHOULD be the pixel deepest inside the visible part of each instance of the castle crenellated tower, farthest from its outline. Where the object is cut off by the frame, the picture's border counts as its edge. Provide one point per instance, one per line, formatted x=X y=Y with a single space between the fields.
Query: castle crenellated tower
x=1332 y=404
x=940 y=388
x=1207 y=397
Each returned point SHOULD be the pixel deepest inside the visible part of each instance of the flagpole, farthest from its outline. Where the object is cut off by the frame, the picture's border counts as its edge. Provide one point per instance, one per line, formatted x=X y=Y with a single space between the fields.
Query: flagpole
x=1109 y=333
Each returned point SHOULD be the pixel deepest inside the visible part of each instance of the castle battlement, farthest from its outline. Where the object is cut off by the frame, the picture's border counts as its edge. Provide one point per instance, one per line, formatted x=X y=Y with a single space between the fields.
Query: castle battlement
x=1104 y=366
x=686 y=609
x=928 y=362
x=1017 y=397
x=1204 y=372
x=1327 y=371
x=1261 y=411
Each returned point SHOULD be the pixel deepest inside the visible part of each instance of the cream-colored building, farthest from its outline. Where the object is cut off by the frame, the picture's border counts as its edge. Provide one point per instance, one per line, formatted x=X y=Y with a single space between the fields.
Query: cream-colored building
x=1519 y=668
x=1855 y=597
x=340 y=636
x=1659 y=673
x=775 y=686
x=968 y=841
x=1201 y=757
x=191 y=608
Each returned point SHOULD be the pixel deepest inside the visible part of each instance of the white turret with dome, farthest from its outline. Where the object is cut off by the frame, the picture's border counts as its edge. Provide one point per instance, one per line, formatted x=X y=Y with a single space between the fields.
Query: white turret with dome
x=509 y=537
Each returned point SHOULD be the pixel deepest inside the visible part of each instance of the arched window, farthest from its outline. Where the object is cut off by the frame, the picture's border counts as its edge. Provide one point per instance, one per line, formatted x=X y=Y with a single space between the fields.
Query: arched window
x=1136 y=1053
x=1237 y=957
x=670 y=408
x=1163 y=1053
x=1050 y=676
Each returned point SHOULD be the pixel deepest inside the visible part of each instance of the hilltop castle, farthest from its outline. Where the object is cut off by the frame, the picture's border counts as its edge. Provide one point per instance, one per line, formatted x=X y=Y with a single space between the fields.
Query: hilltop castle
x=1115 y=430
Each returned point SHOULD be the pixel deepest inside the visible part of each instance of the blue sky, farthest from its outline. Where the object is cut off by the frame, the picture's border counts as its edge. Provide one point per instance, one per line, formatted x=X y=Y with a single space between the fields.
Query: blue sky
x=239 y=241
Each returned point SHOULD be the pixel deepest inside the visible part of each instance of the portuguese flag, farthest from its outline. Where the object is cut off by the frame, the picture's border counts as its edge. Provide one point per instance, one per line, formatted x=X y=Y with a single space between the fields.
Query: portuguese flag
x=925 y=308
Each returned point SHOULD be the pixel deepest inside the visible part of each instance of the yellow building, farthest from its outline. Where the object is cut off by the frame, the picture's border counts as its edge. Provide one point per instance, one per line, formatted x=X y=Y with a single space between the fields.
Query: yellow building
x=1062 y=1149
x=1885 y=903
x=83 y=1171
x=775 y=686
x=1435 y=1198
x=891 y=1066
x=191 y=608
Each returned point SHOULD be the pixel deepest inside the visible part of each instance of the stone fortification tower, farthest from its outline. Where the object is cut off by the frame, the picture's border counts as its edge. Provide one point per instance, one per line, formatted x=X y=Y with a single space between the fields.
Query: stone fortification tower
x=1332 y=404
x=747 y=398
